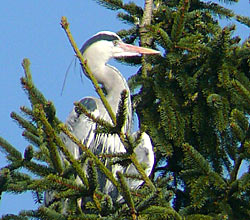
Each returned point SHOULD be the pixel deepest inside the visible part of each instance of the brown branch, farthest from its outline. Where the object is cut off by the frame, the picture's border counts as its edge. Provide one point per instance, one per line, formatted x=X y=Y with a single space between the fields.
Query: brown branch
x=147 y=15
x=145 y=40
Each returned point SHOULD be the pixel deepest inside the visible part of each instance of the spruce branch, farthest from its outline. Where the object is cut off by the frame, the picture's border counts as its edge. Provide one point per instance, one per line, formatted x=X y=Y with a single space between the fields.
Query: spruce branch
x=122 y=113
x=84 y=64
x=93 y=176
x=142 y=172
x=33 y=94
x=179 y=21
x=80 y=108
x=129 y=144
x=66 y=183
x=16 y=164
x=133 y=9
x=24 y=123
x=127 y=195
x=147 y=201
x=27 y=111
x=162 y=212
x=162 y=37
x=41 y=116
x=201 y=178
x=38 y=169
x=243 y=19
x=243 y=91
x=34 y=139
x=48 y=213
x=101 y=166
x=111 y=4
x=13 y=217
x=10 y=150
x=36 y=97
x=26 y=67
x=217 y=9
x=28 y=153
x=17 y=182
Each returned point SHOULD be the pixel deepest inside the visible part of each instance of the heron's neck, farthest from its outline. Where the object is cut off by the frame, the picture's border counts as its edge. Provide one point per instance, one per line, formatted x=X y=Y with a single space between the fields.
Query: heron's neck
x=111 y=79
x=114 y=85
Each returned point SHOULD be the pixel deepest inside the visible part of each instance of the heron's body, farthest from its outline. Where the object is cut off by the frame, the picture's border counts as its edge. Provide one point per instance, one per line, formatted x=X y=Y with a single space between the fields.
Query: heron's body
x=97 y=51
x=84 y=129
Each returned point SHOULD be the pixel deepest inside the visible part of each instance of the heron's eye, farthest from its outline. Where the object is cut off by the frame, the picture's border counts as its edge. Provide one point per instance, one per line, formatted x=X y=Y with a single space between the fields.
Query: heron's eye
x=115 y=42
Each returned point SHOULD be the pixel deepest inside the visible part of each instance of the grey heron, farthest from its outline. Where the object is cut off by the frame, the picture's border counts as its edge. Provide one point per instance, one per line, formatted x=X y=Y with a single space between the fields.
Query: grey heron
x=97 y=51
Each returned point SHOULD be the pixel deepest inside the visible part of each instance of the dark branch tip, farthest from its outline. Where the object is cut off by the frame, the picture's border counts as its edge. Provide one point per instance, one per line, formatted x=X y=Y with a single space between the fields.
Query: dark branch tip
x=64 y=22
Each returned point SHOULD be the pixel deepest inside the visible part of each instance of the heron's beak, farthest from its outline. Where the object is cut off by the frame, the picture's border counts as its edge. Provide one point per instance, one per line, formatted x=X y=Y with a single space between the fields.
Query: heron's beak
x=132 y=50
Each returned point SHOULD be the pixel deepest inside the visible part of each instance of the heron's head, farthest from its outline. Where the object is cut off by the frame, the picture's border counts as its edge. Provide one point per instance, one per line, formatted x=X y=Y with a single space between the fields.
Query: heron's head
x=106 y=45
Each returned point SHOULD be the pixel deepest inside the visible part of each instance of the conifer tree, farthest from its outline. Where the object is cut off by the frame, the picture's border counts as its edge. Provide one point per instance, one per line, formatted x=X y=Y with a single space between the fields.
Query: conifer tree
x=193 y=101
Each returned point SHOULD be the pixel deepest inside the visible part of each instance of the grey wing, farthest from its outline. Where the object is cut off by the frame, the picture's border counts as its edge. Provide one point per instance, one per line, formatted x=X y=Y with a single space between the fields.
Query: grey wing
x=81 y=126
x=145 y=156
x=84 y=129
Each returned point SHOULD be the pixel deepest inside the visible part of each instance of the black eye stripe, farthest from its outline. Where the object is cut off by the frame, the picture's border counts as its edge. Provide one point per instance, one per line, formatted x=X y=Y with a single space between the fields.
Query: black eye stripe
x=98 y=38
x=107 y=37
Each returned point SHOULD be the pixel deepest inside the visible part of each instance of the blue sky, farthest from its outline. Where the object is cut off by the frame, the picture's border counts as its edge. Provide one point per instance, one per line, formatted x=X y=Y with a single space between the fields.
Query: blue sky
x=31 y=29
